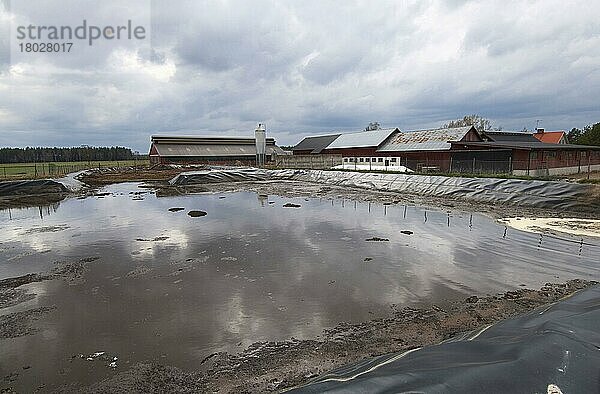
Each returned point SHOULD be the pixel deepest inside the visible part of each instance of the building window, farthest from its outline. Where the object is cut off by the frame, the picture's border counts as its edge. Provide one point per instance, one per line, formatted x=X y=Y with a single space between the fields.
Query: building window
x=360 y=160
x=393 y=159
x=380 y=159
x=367 y=159
x=345 y=160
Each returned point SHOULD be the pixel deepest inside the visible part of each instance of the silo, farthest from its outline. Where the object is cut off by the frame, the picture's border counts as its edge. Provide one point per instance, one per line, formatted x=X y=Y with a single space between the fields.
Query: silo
x=260 y=135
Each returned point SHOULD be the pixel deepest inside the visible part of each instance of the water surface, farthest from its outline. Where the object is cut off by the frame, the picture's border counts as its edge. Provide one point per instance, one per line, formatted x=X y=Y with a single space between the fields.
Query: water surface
x=174 y=289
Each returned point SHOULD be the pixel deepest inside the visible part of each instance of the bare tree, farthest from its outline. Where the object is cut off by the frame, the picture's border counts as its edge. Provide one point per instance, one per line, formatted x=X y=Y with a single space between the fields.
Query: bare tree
x=373 y=126
x=480 y=123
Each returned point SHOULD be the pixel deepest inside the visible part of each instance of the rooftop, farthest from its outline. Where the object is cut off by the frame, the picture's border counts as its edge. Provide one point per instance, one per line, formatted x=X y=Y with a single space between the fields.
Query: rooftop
x=206 y=139
x=362 y=139
x=550 y=137
x=537 y=145
x=315 y=143
x=432 y=139
x=514 y=136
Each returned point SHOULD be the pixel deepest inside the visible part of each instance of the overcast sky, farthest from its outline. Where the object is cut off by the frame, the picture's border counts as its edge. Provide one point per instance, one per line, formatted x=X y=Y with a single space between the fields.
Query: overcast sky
x=303 y=67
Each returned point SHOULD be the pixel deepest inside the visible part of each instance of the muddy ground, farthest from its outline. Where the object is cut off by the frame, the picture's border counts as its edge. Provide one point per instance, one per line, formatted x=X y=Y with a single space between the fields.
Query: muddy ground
x=275 y=366
x=31 y=194
x=18 y=324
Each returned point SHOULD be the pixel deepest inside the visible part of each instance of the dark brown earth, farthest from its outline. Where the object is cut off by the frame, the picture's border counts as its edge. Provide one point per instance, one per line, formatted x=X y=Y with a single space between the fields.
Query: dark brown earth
x=37 y=193
x=196 y=214
x=275 y=366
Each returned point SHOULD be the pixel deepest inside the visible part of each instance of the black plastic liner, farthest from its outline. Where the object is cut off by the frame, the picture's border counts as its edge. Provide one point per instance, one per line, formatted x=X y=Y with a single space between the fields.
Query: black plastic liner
x=220 y=176
x=549 y=348
x=31 y=187
x=541 y=194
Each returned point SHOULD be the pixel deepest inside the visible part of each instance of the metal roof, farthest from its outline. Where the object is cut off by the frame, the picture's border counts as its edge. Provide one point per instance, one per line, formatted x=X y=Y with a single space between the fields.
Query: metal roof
x=433 y=139
x=316 y=143
x=511 y=136
x=213 y=150
x=529 y=145
x=214 y=139
x=361 y=139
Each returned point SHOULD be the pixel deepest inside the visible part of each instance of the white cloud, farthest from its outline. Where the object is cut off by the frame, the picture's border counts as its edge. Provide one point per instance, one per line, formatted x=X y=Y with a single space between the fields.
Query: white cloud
x=311 y=67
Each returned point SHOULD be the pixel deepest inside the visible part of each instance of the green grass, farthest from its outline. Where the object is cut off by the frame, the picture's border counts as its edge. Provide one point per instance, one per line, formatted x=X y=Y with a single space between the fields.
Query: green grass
x=595 y=181
x=55 y=169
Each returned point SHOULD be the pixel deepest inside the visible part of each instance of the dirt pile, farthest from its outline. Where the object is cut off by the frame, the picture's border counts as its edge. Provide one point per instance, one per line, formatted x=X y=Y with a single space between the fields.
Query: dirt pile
x=14 y=194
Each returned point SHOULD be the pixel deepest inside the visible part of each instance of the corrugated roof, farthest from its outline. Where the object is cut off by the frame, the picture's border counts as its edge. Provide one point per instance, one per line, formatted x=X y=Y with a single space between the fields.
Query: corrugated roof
x=315 y=143
x=434 y=139
x=212 y=150
x=550 y=137
x=529 y=145
x=196 y=139
x=361 y=139
x=511 y=136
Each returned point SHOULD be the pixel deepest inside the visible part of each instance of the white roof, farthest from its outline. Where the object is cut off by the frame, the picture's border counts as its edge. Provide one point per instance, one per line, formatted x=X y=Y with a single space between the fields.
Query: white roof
x=361 y=139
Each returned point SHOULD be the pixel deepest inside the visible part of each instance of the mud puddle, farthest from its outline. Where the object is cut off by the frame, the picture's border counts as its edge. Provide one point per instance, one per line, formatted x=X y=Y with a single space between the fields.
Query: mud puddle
x=173 y=289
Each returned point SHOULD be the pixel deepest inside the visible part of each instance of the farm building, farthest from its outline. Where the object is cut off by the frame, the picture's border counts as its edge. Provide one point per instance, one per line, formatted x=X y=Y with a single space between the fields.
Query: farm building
x=427 y=150
x=459 y=149
x=208 y=149
x=530 y=156
x=419 y=150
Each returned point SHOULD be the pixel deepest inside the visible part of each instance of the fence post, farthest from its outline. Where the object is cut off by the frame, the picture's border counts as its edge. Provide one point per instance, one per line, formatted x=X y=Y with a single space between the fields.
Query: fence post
x=450 y=164
x=589 y=164
x=473 y=165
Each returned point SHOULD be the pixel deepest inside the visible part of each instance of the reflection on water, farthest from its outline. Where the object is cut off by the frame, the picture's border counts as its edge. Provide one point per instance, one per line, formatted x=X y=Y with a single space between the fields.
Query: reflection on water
x=43 y=210
x=172 y=288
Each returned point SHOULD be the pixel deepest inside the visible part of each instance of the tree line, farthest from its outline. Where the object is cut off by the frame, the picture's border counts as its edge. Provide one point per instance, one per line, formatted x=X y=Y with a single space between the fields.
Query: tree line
x=84 y=153
x=589 y=135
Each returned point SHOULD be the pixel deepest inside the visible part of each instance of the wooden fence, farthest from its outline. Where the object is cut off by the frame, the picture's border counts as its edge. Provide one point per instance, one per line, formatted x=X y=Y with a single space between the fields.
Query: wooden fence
x=315 y=162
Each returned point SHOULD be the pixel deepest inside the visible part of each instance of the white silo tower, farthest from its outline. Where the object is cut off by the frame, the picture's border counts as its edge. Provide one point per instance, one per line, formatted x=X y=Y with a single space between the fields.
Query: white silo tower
x=260 y=136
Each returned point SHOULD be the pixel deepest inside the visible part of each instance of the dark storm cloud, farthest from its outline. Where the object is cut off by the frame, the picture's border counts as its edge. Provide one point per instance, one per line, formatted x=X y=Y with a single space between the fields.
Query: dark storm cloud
x=309 y=67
